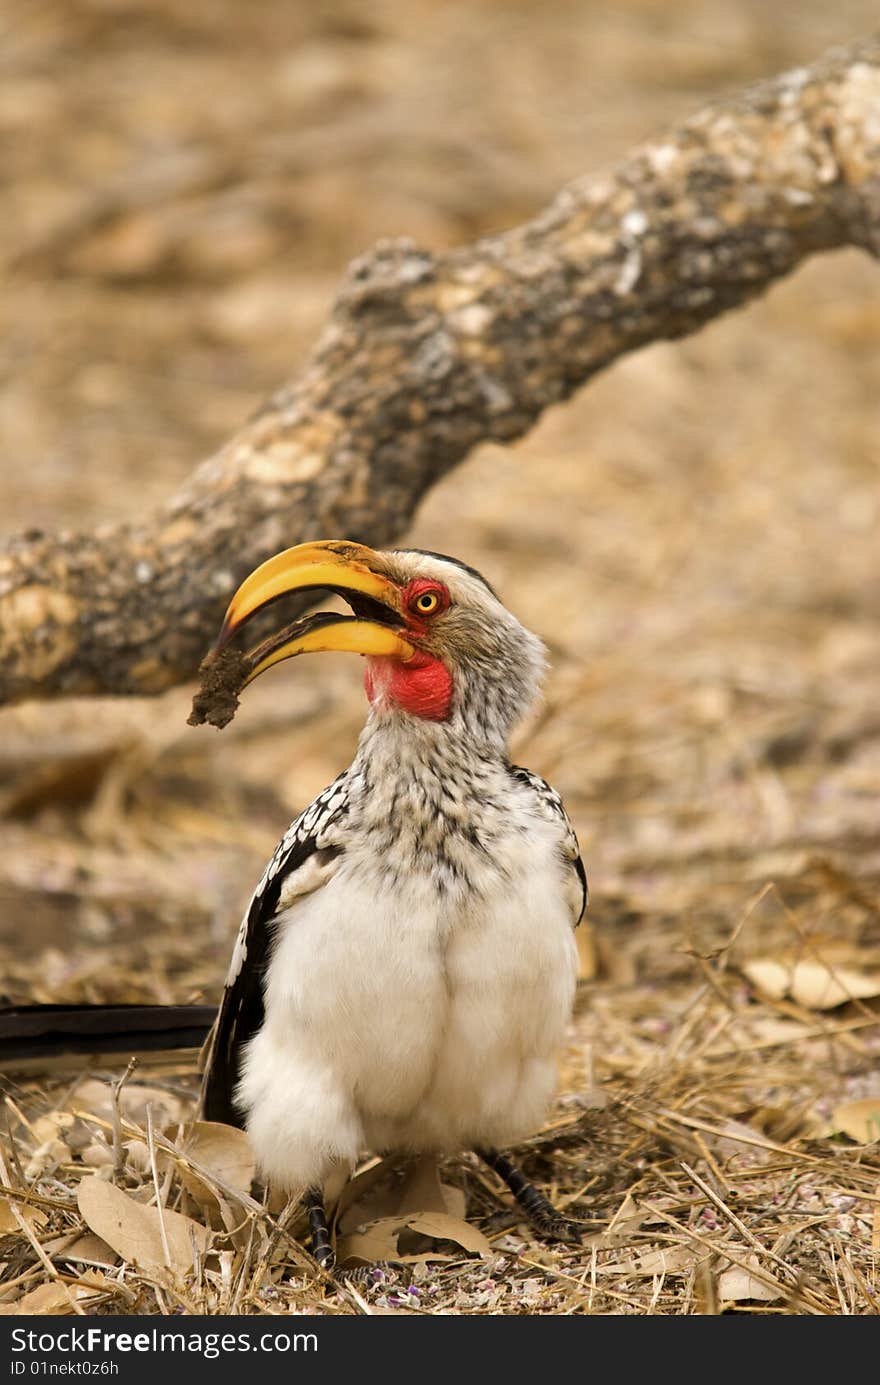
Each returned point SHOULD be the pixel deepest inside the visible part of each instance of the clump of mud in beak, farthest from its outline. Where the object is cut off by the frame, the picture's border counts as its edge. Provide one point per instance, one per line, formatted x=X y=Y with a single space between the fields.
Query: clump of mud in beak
x=347 y=569
x=225 y=672
x=222 y=675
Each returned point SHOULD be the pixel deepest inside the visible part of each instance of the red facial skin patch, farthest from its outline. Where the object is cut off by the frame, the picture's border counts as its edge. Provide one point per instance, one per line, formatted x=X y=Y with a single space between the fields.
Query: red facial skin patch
x=422 y=685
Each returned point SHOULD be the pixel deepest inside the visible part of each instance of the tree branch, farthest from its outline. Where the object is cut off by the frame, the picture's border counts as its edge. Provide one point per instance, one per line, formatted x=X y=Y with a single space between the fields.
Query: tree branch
x=425 y=356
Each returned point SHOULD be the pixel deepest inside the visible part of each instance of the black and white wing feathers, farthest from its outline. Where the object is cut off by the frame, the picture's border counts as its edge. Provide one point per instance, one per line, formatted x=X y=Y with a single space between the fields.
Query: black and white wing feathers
x=551 y=805
x=303 y=861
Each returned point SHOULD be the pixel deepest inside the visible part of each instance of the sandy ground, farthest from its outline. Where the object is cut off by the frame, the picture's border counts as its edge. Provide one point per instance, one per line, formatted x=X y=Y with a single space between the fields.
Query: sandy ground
x=694 y=537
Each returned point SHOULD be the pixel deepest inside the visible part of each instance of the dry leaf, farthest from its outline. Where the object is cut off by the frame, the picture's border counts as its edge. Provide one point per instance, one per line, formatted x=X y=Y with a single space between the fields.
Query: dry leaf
x=379 y=1218
x=736 y=1285
x=137 y=1155
x=811 y=982
x=674 y=1260
x=859 y=1119
x=381 y=1240
x=737 y=1140
x=375 y=1194
x=423 y=1190
x=441 y=1227
x=821 y=987
x=372 y=1196
x=96 y=1098
x=97 y=1155
x=89 y=1249
x=9 y=1226
x=50 y=1126
x=770 y=977
x=226 y=1155
x=657 y=1260
x=222 y=1150
x=626 y=1220
x=134 y=1231
x=371 y=1243
x=768 y=1028
x=46 y=1159
x=54 y=1299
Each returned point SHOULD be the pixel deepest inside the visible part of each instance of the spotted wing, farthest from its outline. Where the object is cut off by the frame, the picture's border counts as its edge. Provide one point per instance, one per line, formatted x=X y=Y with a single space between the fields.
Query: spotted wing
x=304 y=859
x=551 y=805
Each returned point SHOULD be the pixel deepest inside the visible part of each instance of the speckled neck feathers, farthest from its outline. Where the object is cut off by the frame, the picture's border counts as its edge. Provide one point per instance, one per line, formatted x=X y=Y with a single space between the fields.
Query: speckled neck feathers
x=427 y=803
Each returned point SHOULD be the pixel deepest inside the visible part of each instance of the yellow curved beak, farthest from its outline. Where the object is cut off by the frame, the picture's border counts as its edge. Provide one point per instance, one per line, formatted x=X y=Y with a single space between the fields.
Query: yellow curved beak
x=349 y=569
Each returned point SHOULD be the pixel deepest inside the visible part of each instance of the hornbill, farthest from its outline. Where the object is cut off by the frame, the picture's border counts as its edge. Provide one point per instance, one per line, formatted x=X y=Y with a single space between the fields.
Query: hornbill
x=403 y=977
x=405 y=971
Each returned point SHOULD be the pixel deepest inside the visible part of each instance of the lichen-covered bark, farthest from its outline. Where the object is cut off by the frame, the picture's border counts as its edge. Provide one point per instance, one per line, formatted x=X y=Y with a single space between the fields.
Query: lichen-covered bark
x=426 y=356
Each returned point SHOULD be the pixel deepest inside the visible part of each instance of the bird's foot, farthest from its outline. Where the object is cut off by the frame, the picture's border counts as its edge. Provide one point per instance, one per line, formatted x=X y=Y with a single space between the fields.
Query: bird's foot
x=361 y=1276
x=381 y=1274
x=542 y=1215
x=322 y=1246
x=552 y=1226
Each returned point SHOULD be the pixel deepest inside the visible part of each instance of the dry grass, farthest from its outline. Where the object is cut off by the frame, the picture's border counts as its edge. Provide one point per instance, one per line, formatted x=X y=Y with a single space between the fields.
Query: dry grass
x=695 y=537
x=697 y=1139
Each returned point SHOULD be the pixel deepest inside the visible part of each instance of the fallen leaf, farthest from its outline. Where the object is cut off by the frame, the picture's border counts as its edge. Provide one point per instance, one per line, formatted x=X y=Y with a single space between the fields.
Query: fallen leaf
x=812 y=982
x=770 y=977
x=91 y=1250
x=675 y=1260
x=8 y=1224
x=376 y=1194
x=227 y=1166
x=97 y=1155
x=96 y=1098
x=773 y=1029
x=137 y=1155
x=736 y=1284
x=423 y=1190
x=747 y=1149
x=355 y=1190
x=441 y=1227
x=135 y=1231
x=46 y=1159
x=382 y=1239
x=223 y=1151
x=626 y=1220
x=371 y=1243
x=53 y=1299
x=51 y=1125
x=821 y=987
x=859 y=1119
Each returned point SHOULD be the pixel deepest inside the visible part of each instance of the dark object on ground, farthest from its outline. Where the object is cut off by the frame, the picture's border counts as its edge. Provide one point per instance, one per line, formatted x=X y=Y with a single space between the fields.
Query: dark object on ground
x=29 y=1032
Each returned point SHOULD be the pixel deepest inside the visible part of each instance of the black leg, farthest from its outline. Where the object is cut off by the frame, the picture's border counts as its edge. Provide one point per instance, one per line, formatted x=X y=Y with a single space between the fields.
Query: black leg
x=542 y=1215
x=320 y=1232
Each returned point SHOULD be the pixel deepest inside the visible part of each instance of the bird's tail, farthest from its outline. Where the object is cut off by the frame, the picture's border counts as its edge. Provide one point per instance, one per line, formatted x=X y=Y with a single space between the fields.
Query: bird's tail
x=32 y=1036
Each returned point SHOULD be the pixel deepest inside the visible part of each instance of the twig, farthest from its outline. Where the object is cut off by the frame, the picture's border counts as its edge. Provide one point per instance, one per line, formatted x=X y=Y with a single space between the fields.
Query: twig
x=118 y=1151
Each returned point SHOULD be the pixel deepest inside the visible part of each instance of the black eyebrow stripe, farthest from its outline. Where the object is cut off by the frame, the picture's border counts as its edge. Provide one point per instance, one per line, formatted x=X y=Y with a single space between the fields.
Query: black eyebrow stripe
x=456 y=562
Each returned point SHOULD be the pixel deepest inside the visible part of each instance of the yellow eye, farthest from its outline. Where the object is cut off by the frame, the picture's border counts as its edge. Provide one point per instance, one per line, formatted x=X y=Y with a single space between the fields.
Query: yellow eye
x=427 y=603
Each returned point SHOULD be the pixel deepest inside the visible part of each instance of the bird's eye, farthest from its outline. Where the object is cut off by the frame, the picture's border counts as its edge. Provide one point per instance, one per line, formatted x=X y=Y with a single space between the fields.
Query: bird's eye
x=425 y=599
